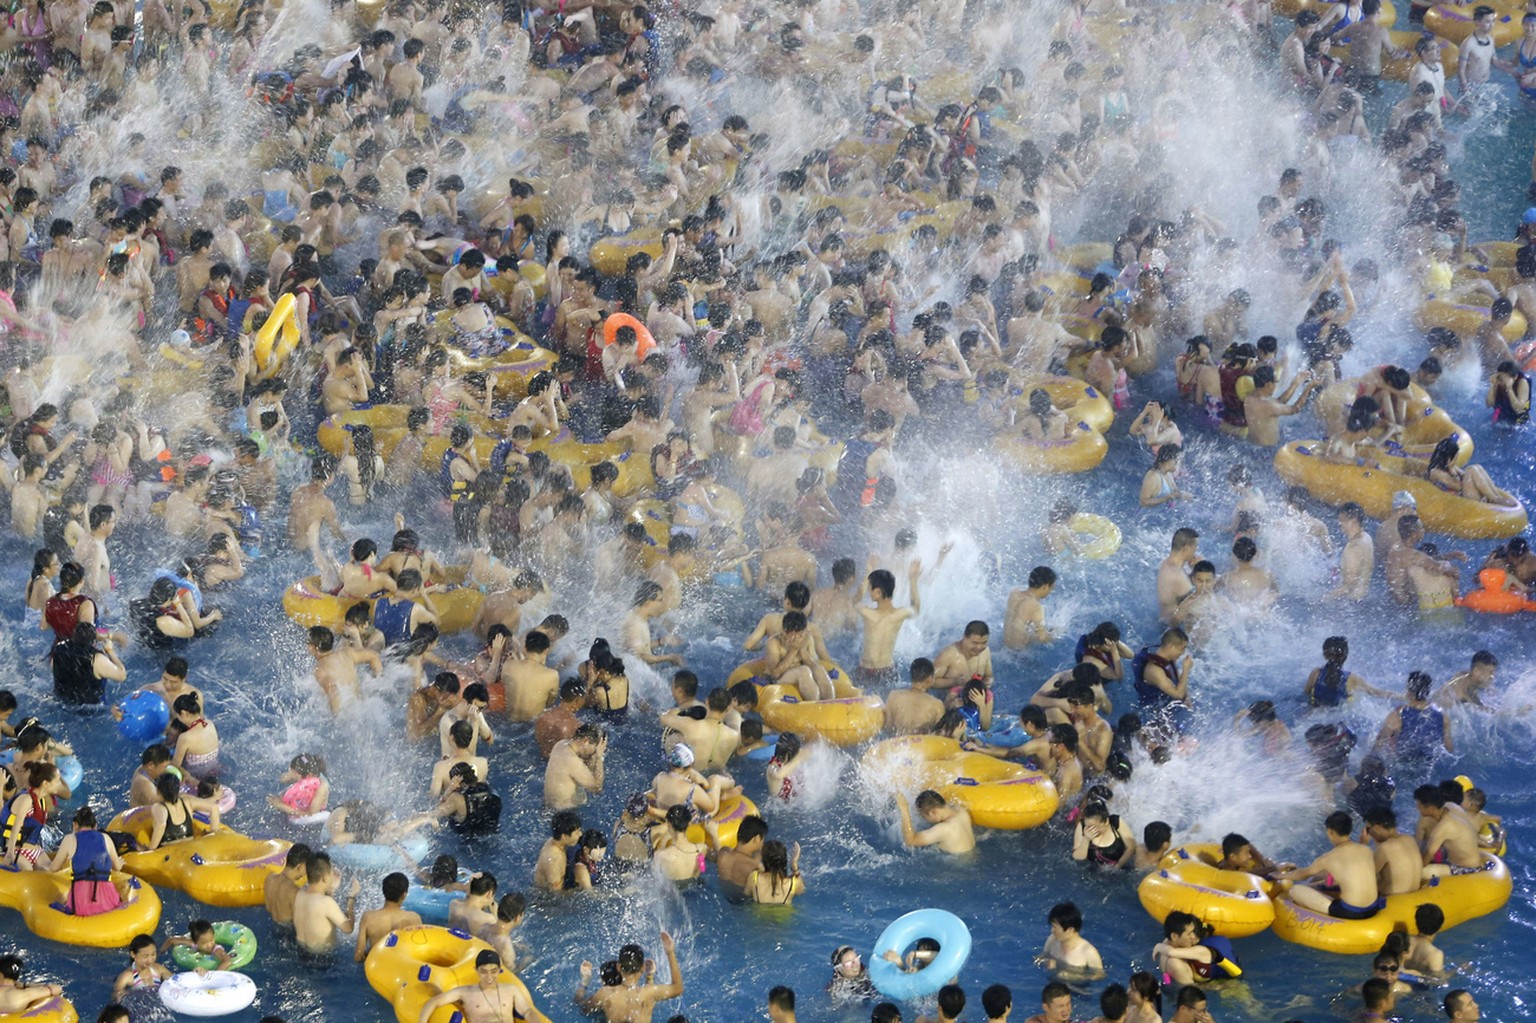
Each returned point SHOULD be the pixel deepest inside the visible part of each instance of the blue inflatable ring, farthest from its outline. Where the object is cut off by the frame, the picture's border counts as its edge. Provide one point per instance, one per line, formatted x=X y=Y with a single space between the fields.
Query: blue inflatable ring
x=432 y=903
x=363 y=856
x=948 y=930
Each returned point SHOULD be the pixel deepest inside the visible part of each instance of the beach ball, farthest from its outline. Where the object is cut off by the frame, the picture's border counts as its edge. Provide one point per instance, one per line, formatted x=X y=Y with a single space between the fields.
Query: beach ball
x=145 y=718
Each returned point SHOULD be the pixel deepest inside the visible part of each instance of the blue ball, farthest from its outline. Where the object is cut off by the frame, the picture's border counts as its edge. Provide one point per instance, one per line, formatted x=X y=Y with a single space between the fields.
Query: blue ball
x=145 y=718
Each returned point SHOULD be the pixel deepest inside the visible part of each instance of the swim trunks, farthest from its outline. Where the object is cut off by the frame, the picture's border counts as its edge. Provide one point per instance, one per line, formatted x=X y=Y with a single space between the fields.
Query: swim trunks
x=869 y=677
x=1342 y=910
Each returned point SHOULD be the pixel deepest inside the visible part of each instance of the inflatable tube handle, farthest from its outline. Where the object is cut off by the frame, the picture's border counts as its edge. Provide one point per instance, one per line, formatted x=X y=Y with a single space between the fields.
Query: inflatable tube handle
x=458 y=933
x=392 y=940
x=1183 y=853
x=966 y=781
x=1252 y=893
x=457 y=1017
x=197 y=859
x=424 y=973
x=1162 y=873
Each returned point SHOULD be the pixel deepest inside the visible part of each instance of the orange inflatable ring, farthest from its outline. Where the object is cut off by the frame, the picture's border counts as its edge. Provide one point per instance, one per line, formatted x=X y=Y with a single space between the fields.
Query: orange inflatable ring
x=1493 y=598
x=611 y=329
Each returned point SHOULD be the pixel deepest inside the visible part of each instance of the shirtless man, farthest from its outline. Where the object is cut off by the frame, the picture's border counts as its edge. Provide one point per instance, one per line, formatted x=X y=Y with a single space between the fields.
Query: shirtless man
x=1450 y=842
x=310 y=505
x=28 y=498
x=489 y=1000
x=1246 y=583
x=735 y=865
x=1471 y=685
x=914 y=710
x=1024 y=620
x=1352 y=868
x=336 y=666
x=965 y=659
x=949 y=826
x=279 y=889
x=1173 y=574
x=1358 y=559
x=881 y=624
x=316 y=915
x=1095 y=737
x=713 y=741
x=1264 y=410
x=374 y=926
x=477 y=907
x=575 y=768
x=834 y=608
x=632 y=1000
x=1398 y=861
x=565 y=832
x=531 y=685
x=462 y=736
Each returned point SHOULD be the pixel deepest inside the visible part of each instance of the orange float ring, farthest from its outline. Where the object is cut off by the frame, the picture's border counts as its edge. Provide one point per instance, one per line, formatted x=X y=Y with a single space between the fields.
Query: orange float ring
x=1493 y=598
x=611 y=329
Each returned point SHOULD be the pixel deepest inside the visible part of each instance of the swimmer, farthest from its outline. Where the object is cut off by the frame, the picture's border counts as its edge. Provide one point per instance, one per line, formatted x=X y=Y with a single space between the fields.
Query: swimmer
x=949 y=826
x=316 y=915
x=1470 y=686
x=376 y=924
x=565 y=831
x=1351 y=869
x=1450 y=842
x=1173 y=582
x=1066 y=951
x=882 y=623
x=575 y=768
x=280 y=887
x=634 y=997
x=488 y=1000
x=914 y=709
x=1024 y=618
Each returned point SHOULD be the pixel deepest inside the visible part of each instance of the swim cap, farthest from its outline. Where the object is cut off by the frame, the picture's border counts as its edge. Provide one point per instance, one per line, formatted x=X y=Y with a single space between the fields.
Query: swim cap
x=1529 y=217
x=1403 y=499
x=681 y=756
x=487 y=957
x=636 y=805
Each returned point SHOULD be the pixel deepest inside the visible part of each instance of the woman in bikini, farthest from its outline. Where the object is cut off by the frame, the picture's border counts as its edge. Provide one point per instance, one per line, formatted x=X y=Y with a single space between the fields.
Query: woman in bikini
x=29 y=813
x=779 y=880
x=45 y=567
x=197 y=747
x=1471 y=481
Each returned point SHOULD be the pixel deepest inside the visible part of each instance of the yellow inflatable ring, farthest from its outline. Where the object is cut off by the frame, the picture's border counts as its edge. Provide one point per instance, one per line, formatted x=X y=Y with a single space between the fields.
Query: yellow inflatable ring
x=1080 y=400
x=224 y=869
x=414 y=964
x=845 y=721
x=1453 y=22
x=1427 y=423
x=733 y=810
x=1082 y=450
x=35 y=893
x=271 y=350
x=1461 y=898
x=1300 y=463
x=1233 y=903
x=844 y=687
x=611 y=255
x=458 y=607
x=1104 y=535
x=996 y=793
x=1466 y=318
x=55 y=1010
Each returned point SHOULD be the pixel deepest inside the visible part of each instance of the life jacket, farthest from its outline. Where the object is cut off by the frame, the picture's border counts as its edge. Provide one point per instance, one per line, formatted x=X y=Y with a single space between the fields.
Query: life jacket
x=91 y=861
x=1231 y=402
x=453 y=489
x=1149 y=694
x=482 y=811
x=74 y=673
x=62 y=613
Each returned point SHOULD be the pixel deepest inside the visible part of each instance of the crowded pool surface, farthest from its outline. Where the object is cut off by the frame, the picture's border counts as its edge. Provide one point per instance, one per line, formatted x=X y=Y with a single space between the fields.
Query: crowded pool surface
x=927 y=381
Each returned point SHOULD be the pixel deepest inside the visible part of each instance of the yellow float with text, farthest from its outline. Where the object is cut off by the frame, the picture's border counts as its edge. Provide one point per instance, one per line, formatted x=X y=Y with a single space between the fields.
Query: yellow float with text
x=996 y=793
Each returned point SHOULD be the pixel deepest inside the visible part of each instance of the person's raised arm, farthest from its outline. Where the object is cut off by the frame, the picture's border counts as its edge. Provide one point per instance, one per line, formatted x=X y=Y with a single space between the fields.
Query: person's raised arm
x=914 y=573
x=674 y=988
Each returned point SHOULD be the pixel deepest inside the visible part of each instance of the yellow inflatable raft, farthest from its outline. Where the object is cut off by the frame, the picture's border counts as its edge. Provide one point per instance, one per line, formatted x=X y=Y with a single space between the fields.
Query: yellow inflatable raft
x=1460 y=898
x=1084 y=449
x=733 y=810
x=747 y=672
x=223 y=869
x=414 y=964
x=1290 y=8
x=1427 y=424
x=457 y=607
x=845 y=721
x=1466 y=318
x=996 y=793
x=1455 y=22
x=1080 y=400
x=36 y=894
x=509 y=371
x=278 y=336
x=1233 y=903
x=55 y=1010
x=610 y=255
x=388 y=425
x=1086 y=257
x=1300 y=463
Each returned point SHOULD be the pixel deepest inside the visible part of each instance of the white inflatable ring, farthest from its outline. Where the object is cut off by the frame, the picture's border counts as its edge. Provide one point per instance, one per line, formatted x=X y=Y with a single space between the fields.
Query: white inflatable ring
x=218 y=993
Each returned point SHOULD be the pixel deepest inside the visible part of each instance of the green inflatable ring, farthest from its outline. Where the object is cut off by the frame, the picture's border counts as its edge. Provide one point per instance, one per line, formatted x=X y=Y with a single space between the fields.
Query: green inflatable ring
x=237 y=940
